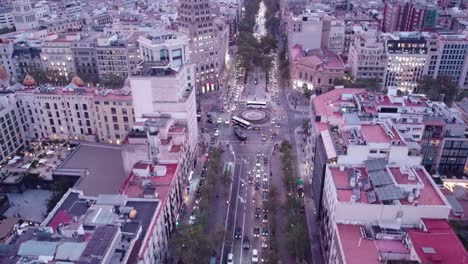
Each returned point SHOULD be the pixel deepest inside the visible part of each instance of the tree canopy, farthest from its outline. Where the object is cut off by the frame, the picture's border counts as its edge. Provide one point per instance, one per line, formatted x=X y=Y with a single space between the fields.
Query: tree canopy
x=441 y=87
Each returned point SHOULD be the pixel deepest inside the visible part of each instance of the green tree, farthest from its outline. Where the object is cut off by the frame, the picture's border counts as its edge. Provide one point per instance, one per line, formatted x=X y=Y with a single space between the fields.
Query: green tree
x=307 y=93
x=441 y=87
x=112 y=80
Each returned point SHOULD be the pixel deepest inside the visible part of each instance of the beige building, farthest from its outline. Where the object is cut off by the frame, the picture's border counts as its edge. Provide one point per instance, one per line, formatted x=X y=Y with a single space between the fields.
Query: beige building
x=75 y=113
x=57 y=56
x=11 y=127
x=315 y=69
x=367 y=56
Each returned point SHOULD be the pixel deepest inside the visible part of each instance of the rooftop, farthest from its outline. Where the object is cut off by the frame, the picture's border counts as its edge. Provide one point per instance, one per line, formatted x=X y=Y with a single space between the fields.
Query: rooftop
x=358 y=249
x=437 y=242
x=71 y=89
x=99 y=166
x=383 y=185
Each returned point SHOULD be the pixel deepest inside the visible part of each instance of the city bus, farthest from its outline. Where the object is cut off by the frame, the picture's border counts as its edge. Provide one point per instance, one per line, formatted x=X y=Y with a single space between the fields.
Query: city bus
x=241 y=122
x=255 y=104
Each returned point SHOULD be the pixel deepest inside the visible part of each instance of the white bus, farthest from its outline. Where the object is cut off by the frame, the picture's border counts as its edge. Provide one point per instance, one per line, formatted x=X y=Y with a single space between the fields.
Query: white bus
x=255 y=104
x=241 y=122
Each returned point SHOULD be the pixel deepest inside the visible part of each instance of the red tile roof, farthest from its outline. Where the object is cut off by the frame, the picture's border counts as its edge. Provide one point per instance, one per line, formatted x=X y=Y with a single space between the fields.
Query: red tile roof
x=61 y=217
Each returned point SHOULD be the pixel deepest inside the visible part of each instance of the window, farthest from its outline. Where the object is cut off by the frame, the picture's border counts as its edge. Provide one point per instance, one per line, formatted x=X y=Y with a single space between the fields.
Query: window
x=116 y=127
x=177 y=57
x=114 y=119
x=113 y=111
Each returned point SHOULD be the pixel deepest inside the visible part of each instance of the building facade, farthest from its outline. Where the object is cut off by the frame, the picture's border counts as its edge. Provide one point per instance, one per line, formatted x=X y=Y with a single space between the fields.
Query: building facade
x=57 y=56
x=24 y=15
x=406 y=60
x=12 y=136
x=367 y=56
x=209 y=37
x=6 y=17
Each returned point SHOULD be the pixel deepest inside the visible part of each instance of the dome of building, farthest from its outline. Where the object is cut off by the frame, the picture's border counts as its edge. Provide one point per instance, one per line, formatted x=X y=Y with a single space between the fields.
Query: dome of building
x=29 y=81
x=77 y=81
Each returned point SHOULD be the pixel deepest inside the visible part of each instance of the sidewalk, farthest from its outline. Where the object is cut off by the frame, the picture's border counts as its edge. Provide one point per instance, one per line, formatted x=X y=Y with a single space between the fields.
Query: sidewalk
x=311 y=212
x=297 y=101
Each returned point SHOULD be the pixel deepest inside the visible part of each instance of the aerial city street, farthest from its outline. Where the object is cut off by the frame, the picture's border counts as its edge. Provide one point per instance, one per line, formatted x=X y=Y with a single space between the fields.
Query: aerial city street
x=233 y=131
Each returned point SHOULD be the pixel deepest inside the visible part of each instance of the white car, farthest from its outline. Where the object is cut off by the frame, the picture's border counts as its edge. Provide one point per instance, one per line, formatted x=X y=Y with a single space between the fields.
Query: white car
x=192 y=219
x=257 y=175
x=226 y=121
x=230 y=259
x=216 y=134
x=265 y=177
x=219 y=121
x=264 y=242
x=254 y=256
x=233 y=108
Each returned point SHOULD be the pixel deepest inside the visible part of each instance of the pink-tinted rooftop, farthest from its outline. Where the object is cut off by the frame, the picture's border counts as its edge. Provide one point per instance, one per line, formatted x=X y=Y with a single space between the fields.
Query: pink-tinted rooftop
x=428 y=194
x=358 y=250
x=325 y=104
x=439 y=244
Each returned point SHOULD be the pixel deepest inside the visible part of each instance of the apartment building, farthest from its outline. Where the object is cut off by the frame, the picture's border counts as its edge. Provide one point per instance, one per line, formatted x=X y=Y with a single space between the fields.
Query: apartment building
x=406 y=59
x=85 y=58
x=208 y=39
x=164 y=84
x=12 y=136
x=385 y=204
x=117 y=56
x=448 y=56
x=24 y=15
x=57 y=56
x=6 y=54
x=6 y=17
x=26 y=58
x=333 y=34
x=301 y=27
x=409 y=16
x=367 y=56
x=75 y=113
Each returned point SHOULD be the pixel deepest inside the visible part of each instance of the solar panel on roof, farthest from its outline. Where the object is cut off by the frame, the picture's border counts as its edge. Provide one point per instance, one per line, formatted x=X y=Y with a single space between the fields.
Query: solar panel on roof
x=366 y=183
x=390 y=192
x=375 y=164
x=371 y=197
x=380 y=178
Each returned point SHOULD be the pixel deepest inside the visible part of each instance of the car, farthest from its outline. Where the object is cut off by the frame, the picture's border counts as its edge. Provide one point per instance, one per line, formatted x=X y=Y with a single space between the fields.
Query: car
x=233 y=108
x=246 y=243
x=251 y=180
x=238 y=233
x=213 y=141
x=256 y=231
x=264 y=242
x=265 y=177
x=265 y=218
x=216 y=133
x=264 y=256
x=257 y=175
x=258 y=212
x=192 y=219
x=257 y=185
x=265 y=231
x=226 y=121
x=265 y=185
x=265 y=208
x=257 y=128
x=265 y=160
x=264 y=137
x=230 y=259
x=210 y=120
x=196 y=204
x=256 y=81
x=258 y=165
x=254 y=256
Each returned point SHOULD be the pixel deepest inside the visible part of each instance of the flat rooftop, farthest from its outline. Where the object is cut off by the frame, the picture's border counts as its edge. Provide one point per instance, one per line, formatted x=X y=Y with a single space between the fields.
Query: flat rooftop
x=385 y=185
x=357 y=250
x=103 y=163
x=438 y=243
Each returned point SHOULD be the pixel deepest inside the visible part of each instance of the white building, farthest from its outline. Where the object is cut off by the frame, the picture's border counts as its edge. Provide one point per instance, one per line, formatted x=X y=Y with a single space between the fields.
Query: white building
x=305 y=30
x=57 y=56
x=12 y=127
x=367 y=56
x=165 y=82
x=407 y=56
x=333 y=34
x=25 y=15
x=6 y=17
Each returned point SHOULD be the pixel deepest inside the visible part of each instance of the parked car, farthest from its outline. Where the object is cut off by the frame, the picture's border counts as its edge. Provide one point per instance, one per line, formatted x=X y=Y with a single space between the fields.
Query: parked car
x=265 y=231
x=258 y=212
